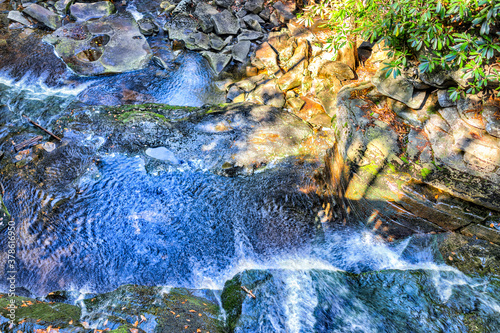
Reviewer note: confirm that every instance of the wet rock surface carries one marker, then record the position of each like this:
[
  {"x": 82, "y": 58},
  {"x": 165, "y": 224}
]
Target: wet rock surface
[
  {"x": 129, "y": 308},
  {"x": 399, "y": 299}
]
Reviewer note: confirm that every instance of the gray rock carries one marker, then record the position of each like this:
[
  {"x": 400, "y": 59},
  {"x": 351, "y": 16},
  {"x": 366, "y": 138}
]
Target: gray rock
[
  {"x": 198, "y": 41},
  {"x": 491, "y": 116},
  {"x": 253, "y": 21},
  {"x": 225, "y": 23},
  {"x": 181, "y": 27},
  {"x": 48, "y": 18},
  {"x": 82, "y": 11},
  {"x": 254, "y": 6},
  {"x": 283, "y": 11},
  {"x": 247, "y": 85},
  {"x": 203, "y": 13},
  {"x": 218, "y": 61},
  {"x": 216, "y": 42},
  {"x": 12, "y": 26},
  {"x": 234, "y": 92},
  {"x": 249, "y": 35},
  {"x": 17, "y": 16},
  {"x": 148, "y": 26},
  {"x": 265, "y": 14},
  {"x": 224, "y": 3},
  {"x": 240, "y": 51},
  {"x": 470, "y": 109},
  {"x": 241, "y": 13},
  {"x": 417, "y": 145},
  {"x": 294, "y": 77},
  {"x": 167, "y": 6},
  {"x": 111, "y": 44},
  {"x": 399, "y": 88}
]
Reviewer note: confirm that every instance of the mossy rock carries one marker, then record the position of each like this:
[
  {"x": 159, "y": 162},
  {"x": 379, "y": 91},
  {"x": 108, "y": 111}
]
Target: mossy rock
[
  {"x": 233, "y": 295},
  {"x": 165, "y": 311},
  {"x": 30, "y": 312},
  {"x": 232, "y": 300}
]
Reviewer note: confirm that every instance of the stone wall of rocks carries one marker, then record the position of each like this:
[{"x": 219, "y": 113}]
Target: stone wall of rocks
[{"x": 409, "y": 160}]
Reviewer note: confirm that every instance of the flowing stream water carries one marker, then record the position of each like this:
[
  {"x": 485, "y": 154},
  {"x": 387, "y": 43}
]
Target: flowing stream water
[{"x": 188, "y": 227}]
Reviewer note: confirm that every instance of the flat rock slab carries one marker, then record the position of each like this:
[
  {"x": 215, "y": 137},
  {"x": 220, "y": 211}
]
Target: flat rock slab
[
  {"x": 113, "y": 44},
  {"x": 48, "y": 18},
  {"x": 225, "y": 23},
  {"x": 16, "y": 16},
  {"x": 82, "y": 11},
  {"x": 203, "y": 12},
  {"x": 218, "y": 61}
]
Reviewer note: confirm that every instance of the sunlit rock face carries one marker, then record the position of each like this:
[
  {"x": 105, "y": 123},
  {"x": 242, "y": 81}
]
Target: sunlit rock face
[
  {"x": 113, "y": 44},
  {"x": 402, "y": 171}
]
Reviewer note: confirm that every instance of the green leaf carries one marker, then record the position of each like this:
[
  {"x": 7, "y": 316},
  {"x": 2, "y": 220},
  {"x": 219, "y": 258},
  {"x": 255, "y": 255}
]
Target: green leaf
[
  {"x": 423, "y": 67},
  {"x": 425, "y": 172}
]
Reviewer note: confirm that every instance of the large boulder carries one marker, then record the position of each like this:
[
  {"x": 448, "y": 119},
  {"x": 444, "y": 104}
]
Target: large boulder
[
  {"x": 111, "y": 44},
  {"x": 400, "y": 178}
]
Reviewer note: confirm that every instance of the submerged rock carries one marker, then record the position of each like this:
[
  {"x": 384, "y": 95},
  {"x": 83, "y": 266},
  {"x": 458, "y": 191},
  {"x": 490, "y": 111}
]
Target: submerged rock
[
  {"x": 474, "y": 257},
  {"x": 82, "y": 11},
  {"x": 112, "y": 44},
  {"x": 245, "y": 135},
  {"x": 380, "y": 301}
]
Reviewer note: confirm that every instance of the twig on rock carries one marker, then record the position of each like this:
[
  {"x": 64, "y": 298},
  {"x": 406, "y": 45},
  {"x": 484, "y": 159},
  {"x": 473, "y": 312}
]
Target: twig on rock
[
  {"x": 249, "y": 292},
  {"x": 43, "y": 129}
]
